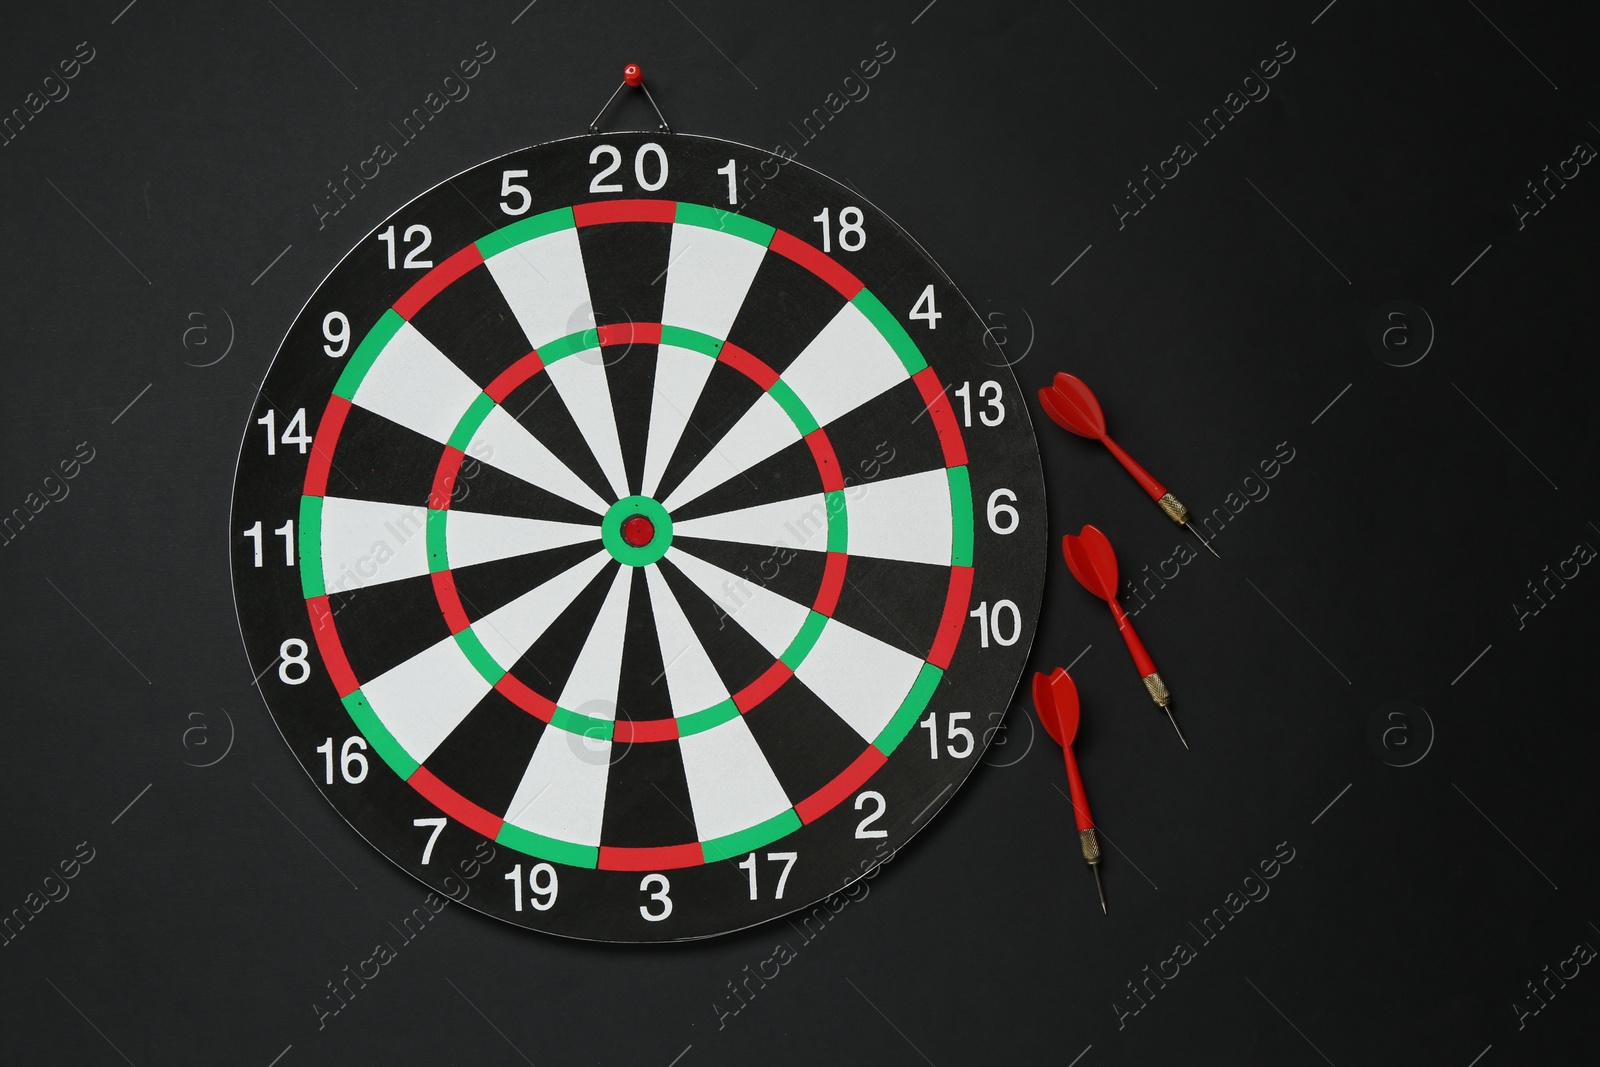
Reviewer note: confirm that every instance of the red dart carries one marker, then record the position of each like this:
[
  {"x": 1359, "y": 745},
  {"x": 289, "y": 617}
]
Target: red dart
[
  {"x": 1093, "y": 562},
  {"x": 1055, "y": 699},
  {"x": 1073, "y": 407}
]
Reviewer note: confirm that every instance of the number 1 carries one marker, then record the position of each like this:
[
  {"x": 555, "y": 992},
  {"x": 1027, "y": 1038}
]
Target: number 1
[{"x": 733, "y": 188}]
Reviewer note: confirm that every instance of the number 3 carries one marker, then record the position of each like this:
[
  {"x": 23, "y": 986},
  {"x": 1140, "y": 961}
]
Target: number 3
[{"x": 662, "y": 887}]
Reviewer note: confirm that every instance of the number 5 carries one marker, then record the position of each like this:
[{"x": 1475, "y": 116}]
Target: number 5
[{"x": 508, "y": 190}]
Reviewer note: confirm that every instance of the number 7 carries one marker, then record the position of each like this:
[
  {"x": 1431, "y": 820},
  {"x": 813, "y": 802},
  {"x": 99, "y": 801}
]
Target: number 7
[{"x": 438, "y": 823}]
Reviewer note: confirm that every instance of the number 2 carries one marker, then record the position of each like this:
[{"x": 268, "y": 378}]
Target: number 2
[{"x": 873, "y": 797}]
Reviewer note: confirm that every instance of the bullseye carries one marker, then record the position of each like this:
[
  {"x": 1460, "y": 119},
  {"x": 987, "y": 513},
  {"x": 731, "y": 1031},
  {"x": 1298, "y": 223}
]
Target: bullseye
[{"x": 638, "y": 530}]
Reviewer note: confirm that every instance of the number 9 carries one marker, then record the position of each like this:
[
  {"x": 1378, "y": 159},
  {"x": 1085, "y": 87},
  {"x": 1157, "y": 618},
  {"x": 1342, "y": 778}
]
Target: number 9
[{"x": 336, "y": 328}]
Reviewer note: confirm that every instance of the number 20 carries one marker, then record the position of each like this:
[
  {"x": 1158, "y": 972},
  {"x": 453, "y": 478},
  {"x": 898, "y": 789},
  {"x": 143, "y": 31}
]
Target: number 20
[{"x": 598, "y": 183}]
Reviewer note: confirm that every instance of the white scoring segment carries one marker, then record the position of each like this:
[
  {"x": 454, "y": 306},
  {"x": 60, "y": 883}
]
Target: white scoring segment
[
  {"x": 692, "y": 681},
  {"x": 563, "y": 792},
  {"x": 799, "y": 523},
  {"x": 680, "y": 377},
  {"x": 771, "y": 619},
  {"x": 591, "y": 689},
  {"x": 844, "y": 366},
  {"x": 544, "y": 283},
  {"x": 477, "y": 537},
  {"x": 365, "y": 542},
  {"x": 423, "y": 699},
  {"x": 906, "y": 518},
  {"x": 731, "y": 786},
  {"x": 505, "y": 444},
  {"x": 862, "y": 679},
  {"x": 414, "y": 384},
  {"x": 708, "y": 275},
  {"x": 580, "y": 380},
  {"x": 762, "y": 431},
  {"x": 509, "y": 631}
]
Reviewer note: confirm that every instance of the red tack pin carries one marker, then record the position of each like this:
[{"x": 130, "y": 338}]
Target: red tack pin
[{"x": 632, "y": 78}]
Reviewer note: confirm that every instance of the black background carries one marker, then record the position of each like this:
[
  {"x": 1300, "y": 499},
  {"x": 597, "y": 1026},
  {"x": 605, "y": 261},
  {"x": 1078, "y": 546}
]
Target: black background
[{"x": 1384, "y": 565}]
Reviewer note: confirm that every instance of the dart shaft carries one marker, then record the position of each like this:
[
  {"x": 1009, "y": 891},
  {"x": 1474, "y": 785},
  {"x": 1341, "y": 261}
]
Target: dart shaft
[
  {"x": 1140, "y": 475},
  {"x": 1080, "y": 799},
  {"x": 1141, "y": 658}
]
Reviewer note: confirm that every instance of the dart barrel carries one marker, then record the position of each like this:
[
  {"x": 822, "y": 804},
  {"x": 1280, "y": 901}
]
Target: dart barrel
[
  {"x": 1174, "y": 509},
  {"x": 1158, "y": 689}
]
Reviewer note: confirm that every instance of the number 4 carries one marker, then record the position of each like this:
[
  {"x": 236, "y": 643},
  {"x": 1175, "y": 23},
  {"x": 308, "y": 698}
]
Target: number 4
[{"x": 923, "y": 309}]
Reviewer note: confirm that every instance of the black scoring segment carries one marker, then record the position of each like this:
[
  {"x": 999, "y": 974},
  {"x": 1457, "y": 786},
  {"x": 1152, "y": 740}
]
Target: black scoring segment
[
  {"x": 804, "y": 741},
  {"x": 538, "y": 406},
  {"x": 383, "y": 625},
  {"x": 786, "y": 307},
  {"x": 548, "y": 662},
  {"x": 647, "y": 797},
  {"x": 785, "y": 570},
  {"x": 727, "y": 395},
  {"x": 739, "y": 659},
  {"x": 471, "y": 323},
  {"x": 899, "y": 603},
  {"x": 788, "y": 474},
  {"x": 486, "y": 755},
  {"x": 485, "y": 587},
  {"x": 481, "y": 487},
  {"x": 642, "y": 694},
  {"x": 631, "y": 376},
  {"x": 626, "y": 264},
  {"x": 889, "y": 436},
  {"x": 381, "y": 460}
]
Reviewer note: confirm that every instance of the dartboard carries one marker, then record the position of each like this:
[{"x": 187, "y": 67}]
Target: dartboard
[{"x": 636, "y": 539}]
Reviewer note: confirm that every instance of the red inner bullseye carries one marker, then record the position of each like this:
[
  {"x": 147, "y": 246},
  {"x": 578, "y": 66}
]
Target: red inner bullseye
[{"x": 638, "y": 530}]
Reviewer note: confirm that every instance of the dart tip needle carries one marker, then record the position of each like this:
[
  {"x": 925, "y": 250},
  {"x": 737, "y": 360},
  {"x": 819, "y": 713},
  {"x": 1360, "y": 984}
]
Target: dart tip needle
[
  {"x": 1202, "y": 540},
  {"x": 1174, "y": 721},
  {"x": 1100, "y": 888}
]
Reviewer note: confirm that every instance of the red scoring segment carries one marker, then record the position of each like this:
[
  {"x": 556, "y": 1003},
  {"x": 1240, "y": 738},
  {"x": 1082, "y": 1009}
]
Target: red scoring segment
[{"x": 638, "y": 531}]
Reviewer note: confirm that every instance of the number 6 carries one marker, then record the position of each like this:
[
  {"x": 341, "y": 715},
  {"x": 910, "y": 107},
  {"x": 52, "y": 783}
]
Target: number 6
[{"x": 1003, "y": 518}]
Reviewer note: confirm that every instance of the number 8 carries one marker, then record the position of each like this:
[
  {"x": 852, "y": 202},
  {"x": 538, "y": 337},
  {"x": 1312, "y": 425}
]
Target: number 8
[
  {"x": 293, "y": 653},
  {"x": 852, "y": 234}
]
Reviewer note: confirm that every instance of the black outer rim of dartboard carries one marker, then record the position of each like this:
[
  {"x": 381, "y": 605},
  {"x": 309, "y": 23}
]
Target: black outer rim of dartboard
[{"x": 983, "y": 736}]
